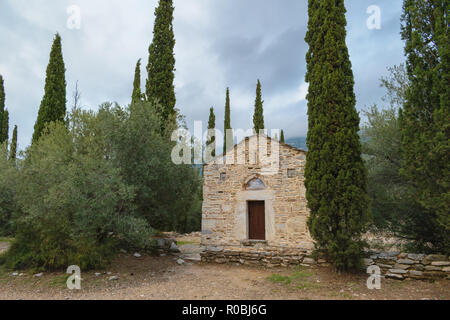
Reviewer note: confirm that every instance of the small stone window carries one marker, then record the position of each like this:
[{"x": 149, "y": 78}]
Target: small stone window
[
  {"x": 223, "y": 176},
  {"x": 292, "y": 173}
]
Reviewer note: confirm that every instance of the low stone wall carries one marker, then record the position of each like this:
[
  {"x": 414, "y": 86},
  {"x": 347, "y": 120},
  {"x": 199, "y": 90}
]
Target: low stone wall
[
  {"x": 268, "y": 256},
  {"x": 400, "y": 266},
  {"x": 393, "y": 265}
]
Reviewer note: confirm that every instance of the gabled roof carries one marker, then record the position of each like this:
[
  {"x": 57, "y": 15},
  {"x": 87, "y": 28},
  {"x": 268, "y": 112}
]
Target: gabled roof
[{"x": 255, "y": 135}]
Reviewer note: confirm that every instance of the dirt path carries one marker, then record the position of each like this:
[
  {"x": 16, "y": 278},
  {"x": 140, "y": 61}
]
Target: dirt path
[{"x": 162, "y": 278}]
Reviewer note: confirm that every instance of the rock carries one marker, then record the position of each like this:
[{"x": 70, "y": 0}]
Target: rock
[
  {"x": 174, "y": 248},
  {"x": 98, "y": 274},
  {"x": 416, "y": 257},
  {"x": 397, "y": 271},
  {"x": 402, "y": 255},
  {"x": 394, "y": 276},
  {"x": 38, "y": 275},
  {"x": 161, "y": 243},
  {"x": 441, "y": 263},
  {"x": 433, "y": 268},
  {"x": 193, "y": 257},
  {"x": 123, "y": 251},
  {"x": 368, "y": 262},
  {"x": 402, "y": 266},
  {"x": 419, "y": 267},
  {"x": 241, "y": 261},
  {"x": 446, "y": 269},
  {"x": 113, "y": 278},
  {"x": 436, "y": 257},
  {"x": 214, "y": 249},
  {"x": 414, "y": 273},
  {"x": 385, "y": 266},
  {"x": 180, "y": 262},
  {"x": 388, "y": 255},
  {"x": 163, "y": 255},
  {"x": 309, "y": 261},
  {"x": 15, "y": 274},
  {"x": 137, "y": 255},
  {"x": 405, "y": 261}
]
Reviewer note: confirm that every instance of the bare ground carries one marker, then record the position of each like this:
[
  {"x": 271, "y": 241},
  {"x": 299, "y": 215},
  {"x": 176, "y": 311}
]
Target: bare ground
[{"x": 161, "y": 278}]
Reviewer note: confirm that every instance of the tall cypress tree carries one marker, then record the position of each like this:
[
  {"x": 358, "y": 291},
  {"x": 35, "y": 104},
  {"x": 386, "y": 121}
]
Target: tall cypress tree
[
  {"x": 335, "y": 173},
  {"x": 212, "y": 126},
  {"x": 282, "y": 137},
  {"x": 13, "y": 148},
  {"x": 258, "y": 117},
  {"x": 53, "y": 105},
  {"x": 5, "y": 127},
  {"x": 161, "y": 64},
  {"x": 227, "y": 124},
  {"x": 425, "y": 116},
  {"x": 2, "y": 106},
  {"x": 137, "y": 94}
]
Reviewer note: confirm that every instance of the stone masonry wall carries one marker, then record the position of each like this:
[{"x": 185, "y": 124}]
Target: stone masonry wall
[
  {"x": 400, "y": 266},
  {"x": 224, "y": 220},
  {"x": 393, "y": 265}
]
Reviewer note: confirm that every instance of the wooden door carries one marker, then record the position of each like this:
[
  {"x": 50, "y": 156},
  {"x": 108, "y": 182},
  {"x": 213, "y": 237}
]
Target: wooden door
[{"x": 257, "y": 220}]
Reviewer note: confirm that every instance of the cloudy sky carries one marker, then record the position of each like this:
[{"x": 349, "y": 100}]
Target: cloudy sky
[{"x": 220, "y": 43}]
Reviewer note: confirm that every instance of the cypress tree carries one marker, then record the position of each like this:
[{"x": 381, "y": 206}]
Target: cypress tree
[
  {"x": 160, "y": 87},
  {"x": 258, "y": 117},
  {"x": 282, "y": 137},
  {"x": 425, "y": 116},
  {"x": 335, "y": 175},
  {"x": 2, "y": 106},
  {"x": 212, "y": 126},
  {"x": 13, "y": 148},
  {"x": 137, "y": 94},
  {"x": 53, "y": 105},
  {"x": 227, "y": 124},
  {"x": 5, "y": 127}
]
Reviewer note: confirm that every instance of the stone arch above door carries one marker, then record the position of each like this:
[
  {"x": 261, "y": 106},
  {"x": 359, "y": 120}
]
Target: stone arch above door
[{"x": 254, "y": 182}]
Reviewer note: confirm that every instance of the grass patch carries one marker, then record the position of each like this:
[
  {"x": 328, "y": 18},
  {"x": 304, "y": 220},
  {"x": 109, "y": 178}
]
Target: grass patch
[
  {"x": 6, "y": 239},
  {"x": 299, "y": 279},
  {"x": 59, "y": 281},
  {"x": 277, "y": 278}
]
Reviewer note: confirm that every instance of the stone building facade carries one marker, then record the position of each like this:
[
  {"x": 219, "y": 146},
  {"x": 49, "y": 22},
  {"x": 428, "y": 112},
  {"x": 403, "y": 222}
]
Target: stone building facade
[{"x": 254, "y": 200}]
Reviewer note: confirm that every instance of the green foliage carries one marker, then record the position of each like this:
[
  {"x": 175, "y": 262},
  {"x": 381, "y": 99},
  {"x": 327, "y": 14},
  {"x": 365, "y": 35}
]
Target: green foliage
[
  {"x": 5, "y": 127},
  {"x": 161, "y": 64},
  {"x": 137, "y": 94},
  {"x": 2, "y": 107},
  {"x": 282, "y": 137},
  {"x": 425, "y": 116},
  {"x": 95, "y": 186},
  {"x": 227, "y": 122},
  {"x": 211, "y": 126},
  {"x": 13, "y": 147},
  {"x": 164, "y": 191},
  {"x": 53, "y": 104},
  {"x": 258, "y": 117},
  {"x": 335, "y": 176},
  {"x": 8, "y": 180}
]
